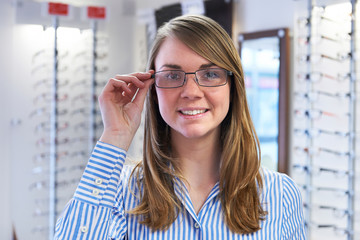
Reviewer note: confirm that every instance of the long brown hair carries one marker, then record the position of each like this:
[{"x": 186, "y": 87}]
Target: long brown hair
[{"x": 240, "y": 177}]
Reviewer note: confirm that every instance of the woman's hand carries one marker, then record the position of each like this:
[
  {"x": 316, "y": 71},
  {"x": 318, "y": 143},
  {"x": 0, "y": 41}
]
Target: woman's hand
[{"x": 121, "y": 104}]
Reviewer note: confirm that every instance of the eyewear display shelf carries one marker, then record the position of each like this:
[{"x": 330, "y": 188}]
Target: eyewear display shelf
[
  {"x": 325, "y": 154},
  {"x": 67, "y": 74}
]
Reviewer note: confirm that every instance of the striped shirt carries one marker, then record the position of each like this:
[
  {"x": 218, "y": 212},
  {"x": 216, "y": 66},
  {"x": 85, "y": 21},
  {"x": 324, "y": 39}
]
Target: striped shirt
[{"x": 99, "y": 207}]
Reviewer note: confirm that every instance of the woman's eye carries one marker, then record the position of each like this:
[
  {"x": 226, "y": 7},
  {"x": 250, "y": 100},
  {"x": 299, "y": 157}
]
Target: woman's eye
[
  {"x": 173, "y": 76},
  {"x": 211, "y": 75}
]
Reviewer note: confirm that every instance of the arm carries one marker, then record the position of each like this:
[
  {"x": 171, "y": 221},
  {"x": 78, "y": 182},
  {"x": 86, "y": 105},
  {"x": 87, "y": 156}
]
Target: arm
[
  {"x": 91, "y": 210},
  {"x": 293, "y": 227}
]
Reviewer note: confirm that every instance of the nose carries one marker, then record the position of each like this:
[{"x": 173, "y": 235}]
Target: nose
[{"x": 191, "y": 89}]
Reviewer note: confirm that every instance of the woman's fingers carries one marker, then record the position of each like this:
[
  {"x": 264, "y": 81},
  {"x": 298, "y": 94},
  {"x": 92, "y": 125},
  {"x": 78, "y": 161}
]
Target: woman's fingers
[
  {"x": 136, "y": 81},
  {"x": 135, "y": 78},
  {"x": 125, "y": 86},
  {"x": 141, "y": 94}
]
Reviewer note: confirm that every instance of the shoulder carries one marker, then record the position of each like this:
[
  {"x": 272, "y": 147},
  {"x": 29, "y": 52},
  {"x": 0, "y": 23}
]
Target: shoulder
[
  {"x": 279, "y": 185},
  {"x": 282, "y": 200},
  {"x": 271, "y": 178}
]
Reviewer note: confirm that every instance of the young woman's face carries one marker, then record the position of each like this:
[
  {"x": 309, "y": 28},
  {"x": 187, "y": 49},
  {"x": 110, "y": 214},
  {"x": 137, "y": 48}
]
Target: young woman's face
[{"x": 192, "y": 111}]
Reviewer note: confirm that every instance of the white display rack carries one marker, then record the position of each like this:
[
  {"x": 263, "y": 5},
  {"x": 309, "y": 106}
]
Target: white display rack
[
  {"x": 325, "y": 148},
  {"x": 67, "y": 77}
]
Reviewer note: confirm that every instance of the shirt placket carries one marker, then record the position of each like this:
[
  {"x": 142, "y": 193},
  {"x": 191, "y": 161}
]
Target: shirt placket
[{"x": 184, "y": 196}]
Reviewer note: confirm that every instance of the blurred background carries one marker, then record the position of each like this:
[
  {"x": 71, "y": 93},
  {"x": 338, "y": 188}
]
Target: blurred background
[{"x": 301, "y": 74}]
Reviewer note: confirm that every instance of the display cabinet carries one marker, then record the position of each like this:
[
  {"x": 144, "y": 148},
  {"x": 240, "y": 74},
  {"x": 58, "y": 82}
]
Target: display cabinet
[{"x": 325, "y": 119}]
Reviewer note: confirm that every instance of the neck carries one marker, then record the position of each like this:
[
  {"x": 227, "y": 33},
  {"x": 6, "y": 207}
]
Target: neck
[{"x": 199, "y": 159}]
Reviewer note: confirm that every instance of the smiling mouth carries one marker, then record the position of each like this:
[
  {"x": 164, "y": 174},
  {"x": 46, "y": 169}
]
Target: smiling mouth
[{"x": 193, "y": 112}]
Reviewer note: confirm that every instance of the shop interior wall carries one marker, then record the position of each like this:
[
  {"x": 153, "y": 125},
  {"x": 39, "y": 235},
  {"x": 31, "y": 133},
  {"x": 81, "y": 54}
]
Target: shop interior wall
[
  {"x": 258, "y": 15},
  {"x": 250, "y": 15},
  {"x": 121, "y": 27},
  {"x": 6, "y": 16}
]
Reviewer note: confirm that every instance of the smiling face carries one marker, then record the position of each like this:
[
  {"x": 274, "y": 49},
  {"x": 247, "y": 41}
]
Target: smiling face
[{"x": 192, "y": 111}]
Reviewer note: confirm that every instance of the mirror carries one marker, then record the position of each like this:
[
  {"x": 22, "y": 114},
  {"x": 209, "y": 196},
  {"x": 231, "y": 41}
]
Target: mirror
[{"x": 265, "y": 60}]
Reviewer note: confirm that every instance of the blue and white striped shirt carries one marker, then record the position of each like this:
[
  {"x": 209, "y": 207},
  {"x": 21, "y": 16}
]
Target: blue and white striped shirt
[{"x": 99, "y": 207}]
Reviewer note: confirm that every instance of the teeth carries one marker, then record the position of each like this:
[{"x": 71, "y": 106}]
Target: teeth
[{"x": 193, "y": 112}]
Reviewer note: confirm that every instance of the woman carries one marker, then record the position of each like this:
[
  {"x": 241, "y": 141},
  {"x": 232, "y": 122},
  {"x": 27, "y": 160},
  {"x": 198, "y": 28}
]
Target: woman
[{"x": 200, "y": 177}]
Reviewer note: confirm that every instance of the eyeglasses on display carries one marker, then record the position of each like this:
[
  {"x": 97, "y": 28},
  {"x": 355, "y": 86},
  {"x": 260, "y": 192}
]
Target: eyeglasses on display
[{"x": 317, "y": 76}]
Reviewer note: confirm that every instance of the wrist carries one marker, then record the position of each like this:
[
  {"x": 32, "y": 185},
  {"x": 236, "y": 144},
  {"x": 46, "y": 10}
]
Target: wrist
[{"x": 116, "y": 139}]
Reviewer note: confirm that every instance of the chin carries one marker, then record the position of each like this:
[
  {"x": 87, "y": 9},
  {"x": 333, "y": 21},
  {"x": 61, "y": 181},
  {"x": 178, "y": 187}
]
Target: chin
[{"x": 194, "y": 133}]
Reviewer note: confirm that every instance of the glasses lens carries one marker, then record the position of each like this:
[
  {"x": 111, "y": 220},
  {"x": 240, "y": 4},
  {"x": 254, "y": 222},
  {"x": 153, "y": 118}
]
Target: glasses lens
[
  {"x": 169, "y": 79},
  {"x": 211, "y": 77}
]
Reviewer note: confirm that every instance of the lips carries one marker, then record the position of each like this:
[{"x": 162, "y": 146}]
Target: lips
[{"x": 193, "y": 112}]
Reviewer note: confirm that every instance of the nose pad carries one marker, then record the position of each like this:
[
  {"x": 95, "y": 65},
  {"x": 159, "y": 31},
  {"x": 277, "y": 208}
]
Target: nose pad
[
  {"x": 190, "y": 82},
  {"x": 193, "y": 78},
  {"x": 191, "y": 88}
]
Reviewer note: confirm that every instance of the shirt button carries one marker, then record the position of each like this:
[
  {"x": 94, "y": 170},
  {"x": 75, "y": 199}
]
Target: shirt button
[
  {"x": 197, "y": 225},
  {"x": 95, "y": 192},
  {"x": 84, "y": 229},
  {"x": 98, "y": 181}
]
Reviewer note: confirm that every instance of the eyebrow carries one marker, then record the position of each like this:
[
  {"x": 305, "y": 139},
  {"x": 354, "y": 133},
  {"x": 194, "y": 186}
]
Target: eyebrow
[
  {"x": 174, "y": 66},
  {"x": 207, "y": 65}
]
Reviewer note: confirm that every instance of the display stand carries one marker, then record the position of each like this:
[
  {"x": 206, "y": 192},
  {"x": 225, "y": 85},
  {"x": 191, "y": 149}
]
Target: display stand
[
  {"x": 352, "y": 127},
  {"x": 53, "y": 136},
  {"x": 64, "y": 76},
  {"x": 92, "y": 117},
  {"x": 309, "y": 143},
  {"x": 326, "y": 119}
]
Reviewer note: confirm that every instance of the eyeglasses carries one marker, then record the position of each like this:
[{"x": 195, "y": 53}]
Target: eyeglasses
[
  {"x": 317, "y": 57},
  {"x": 315, "y": 95},
  {"x": 315, "y": 151},
  {"x": 317, "y": 76},
  {"x": 210, "y": 77},
  {"x": 337, "y": 230},
  {"x": 315, "y": 132},
  {"x": 313, "y": 113},
  {"x": 317, "y": 170},
  {"x": 333, "y": 191},
  {"x": 318, "y": 39}
]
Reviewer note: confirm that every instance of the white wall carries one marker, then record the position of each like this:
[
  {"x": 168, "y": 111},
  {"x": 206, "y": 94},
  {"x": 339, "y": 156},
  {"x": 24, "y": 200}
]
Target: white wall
[
  {"x": 257, "y": 15},
  {"x": 6, "y": 16}
]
